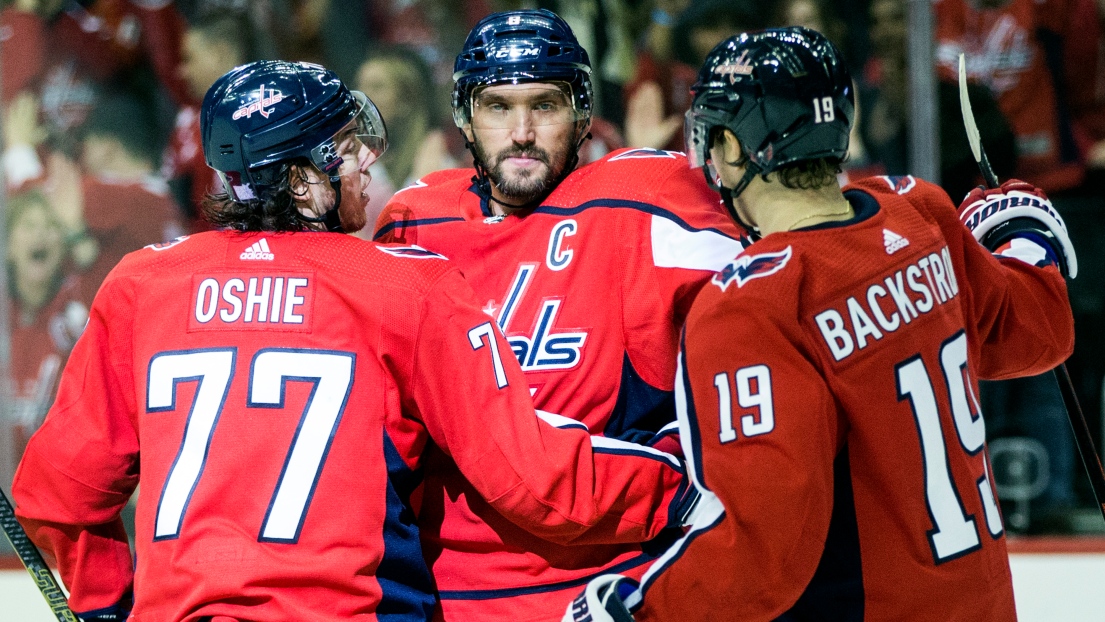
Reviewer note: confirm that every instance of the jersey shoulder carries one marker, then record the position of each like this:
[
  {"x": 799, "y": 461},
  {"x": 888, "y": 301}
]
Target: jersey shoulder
[
  {"x": 660, "y": 183},
  {"x": 346, "y": 257},
  {"x": 625, "y": 174},
  {"x": 913, "y": 190},
  {"x": 371, "y": 264},
  {"x": 925, "y": 197},
  {"x": 436, "y": 194},
  {"x": 754, "y": 297},
  {"x": 437, "y": 197},
  {"x": 184, "y": 251}
]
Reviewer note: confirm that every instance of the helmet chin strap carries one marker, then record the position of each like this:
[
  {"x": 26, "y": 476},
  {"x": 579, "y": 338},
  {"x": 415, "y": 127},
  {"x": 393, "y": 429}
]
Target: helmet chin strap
[
  {"x": 483, "y": 182},
  {"x": 728, "y": 195},
  {"x": 331, "y": 219}
]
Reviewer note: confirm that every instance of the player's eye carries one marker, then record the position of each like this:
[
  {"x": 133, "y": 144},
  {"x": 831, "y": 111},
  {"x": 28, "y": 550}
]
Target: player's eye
[{"x": 350, "y": 148}]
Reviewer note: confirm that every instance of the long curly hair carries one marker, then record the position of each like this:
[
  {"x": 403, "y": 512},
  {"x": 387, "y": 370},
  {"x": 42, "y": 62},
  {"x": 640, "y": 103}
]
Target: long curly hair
[{"x": 273, "y": 210}]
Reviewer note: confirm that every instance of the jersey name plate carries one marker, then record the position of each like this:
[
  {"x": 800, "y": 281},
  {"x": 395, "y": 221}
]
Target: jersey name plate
[{"x": 271, "y": 301}]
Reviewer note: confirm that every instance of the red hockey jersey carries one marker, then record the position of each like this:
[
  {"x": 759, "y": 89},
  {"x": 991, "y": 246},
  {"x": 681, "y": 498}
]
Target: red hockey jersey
[
  {"x": 828, "y": 392},
  {"x": 274, "y": 395},
  {"x": 591, "y": 289}
]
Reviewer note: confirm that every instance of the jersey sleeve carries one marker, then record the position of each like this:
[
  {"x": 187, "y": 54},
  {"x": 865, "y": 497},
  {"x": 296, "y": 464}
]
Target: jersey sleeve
[
  {"x": 559, "y": 483},
  {"x": 760, "y": 428},
  {"x": 689, "y": 237},
  {"x": 81, "y": 466},
  {"x": 1021, "y": 311}
]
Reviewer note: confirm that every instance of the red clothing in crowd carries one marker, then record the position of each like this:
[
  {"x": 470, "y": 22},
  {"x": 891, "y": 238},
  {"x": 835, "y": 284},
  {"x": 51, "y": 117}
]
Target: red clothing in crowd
[{"x": 1020, "y": 52}]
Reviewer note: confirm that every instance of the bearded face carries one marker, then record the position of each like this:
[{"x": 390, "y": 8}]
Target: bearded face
[{"x": 523, "y": 135}]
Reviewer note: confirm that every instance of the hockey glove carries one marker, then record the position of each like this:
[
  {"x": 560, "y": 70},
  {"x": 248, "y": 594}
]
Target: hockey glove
[
  {"x": 1018, "y": 220},
  {"x": 602, "y": 601}
]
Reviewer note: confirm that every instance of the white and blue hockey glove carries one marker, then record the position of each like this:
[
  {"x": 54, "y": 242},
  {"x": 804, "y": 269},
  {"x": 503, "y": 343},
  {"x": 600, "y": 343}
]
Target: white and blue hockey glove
[
  {"x": 1017, "y": 220},
  {"x": 602, "y": 601}
]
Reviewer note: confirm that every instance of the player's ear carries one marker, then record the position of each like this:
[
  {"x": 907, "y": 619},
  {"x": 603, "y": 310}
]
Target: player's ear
[
  {"x": 731, "y": 146},
  {"x": 468, "y": 134}
]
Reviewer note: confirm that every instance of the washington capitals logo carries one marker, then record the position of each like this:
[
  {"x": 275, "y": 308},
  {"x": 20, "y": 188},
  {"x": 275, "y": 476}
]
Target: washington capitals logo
[
  {"x": 739, "y": 67},
  {"x": 901, "y": 185},
  {"x": 261, "y": 104},
  {"x": 414, "y": 252},
  {"x": 747, "y": 267}
]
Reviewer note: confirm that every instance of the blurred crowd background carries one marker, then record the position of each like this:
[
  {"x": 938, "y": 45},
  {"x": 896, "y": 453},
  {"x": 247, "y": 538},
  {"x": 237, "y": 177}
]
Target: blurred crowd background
[{"x": 101, "y": 147}]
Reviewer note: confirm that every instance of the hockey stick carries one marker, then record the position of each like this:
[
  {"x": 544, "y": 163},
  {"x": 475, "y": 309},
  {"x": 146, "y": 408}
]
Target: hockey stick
[
  {"x": 1074, "y": 410},
  {"x": 32, "y": 559}
]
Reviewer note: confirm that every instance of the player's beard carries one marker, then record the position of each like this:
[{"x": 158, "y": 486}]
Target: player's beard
[
  {"x": 523, "y": 186},
  {"x": 353, "y": 214}
]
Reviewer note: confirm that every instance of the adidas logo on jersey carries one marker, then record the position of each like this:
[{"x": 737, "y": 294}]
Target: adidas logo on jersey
[
  {"x": 893, "y": 241},
  {"x": 259, "y": 250}
]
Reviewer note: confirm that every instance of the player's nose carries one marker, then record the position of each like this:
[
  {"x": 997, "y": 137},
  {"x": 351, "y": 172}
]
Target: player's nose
[{"x": 522, "y": 130}]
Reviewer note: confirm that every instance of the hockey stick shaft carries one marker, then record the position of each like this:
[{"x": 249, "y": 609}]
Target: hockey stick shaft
[
  {"x": 1081, "y": 429},
  {"x": 32, "y": 560},
  {"x": 1082, "y": 435}
]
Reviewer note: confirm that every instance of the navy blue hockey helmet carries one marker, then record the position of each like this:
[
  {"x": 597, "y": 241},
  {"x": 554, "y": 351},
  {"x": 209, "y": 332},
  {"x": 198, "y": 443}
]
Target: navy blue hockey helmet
[
  {"x": 267, "y": 113},
  {"x": 785, "y": 93},
  {"x": 513, "y": 47}
]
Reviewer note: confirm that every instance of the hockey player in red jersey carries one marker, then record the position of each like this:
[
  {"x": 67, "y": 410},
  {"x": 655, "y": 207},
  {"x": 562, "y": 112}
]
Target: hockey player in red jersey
[
  {"x": 589, "y": 272},
  {"x": 273, "y": 386},
  {"x": 828, "y": 377}
]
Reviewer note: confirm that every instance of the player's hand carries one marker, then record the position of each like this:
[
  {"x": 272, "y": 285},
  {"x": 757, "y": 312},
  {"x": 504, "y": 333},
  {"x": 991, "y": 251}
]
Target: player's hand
[
  {"x": 1018, "y": 213},
  {"x": 645, "y": 124},
  {"x": 602, "y": 601}
]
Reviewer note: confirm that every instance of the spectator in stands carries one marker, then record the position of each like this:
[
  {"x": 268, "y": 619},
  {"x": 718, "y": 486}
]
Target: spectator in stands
[
  {"x": 124, "y": 203},
  {"x": 46, "y": 309},
  {"x": 402, "y": 88},
  {"x": 814, "y": 14},
  {"x": 209, "y": 49},
  {"x": 659, "y": 93},
  {"x": 1086, "y": 79},
  {"x": 434, "y": 28},
  {"x": 1015, "y": 47},
  {"x": 24, "y": 42},
  {"x": 23, "y": 135},
  {"x": 885, "y": 108}
]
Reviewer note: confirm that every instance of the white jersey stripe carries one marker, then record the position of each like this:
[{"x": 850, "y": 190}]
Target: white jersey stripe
[
  {"x": 560, "y": 421},
  {"x": 602, "y": 442},
  {"x": 675, "y": 247}
]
